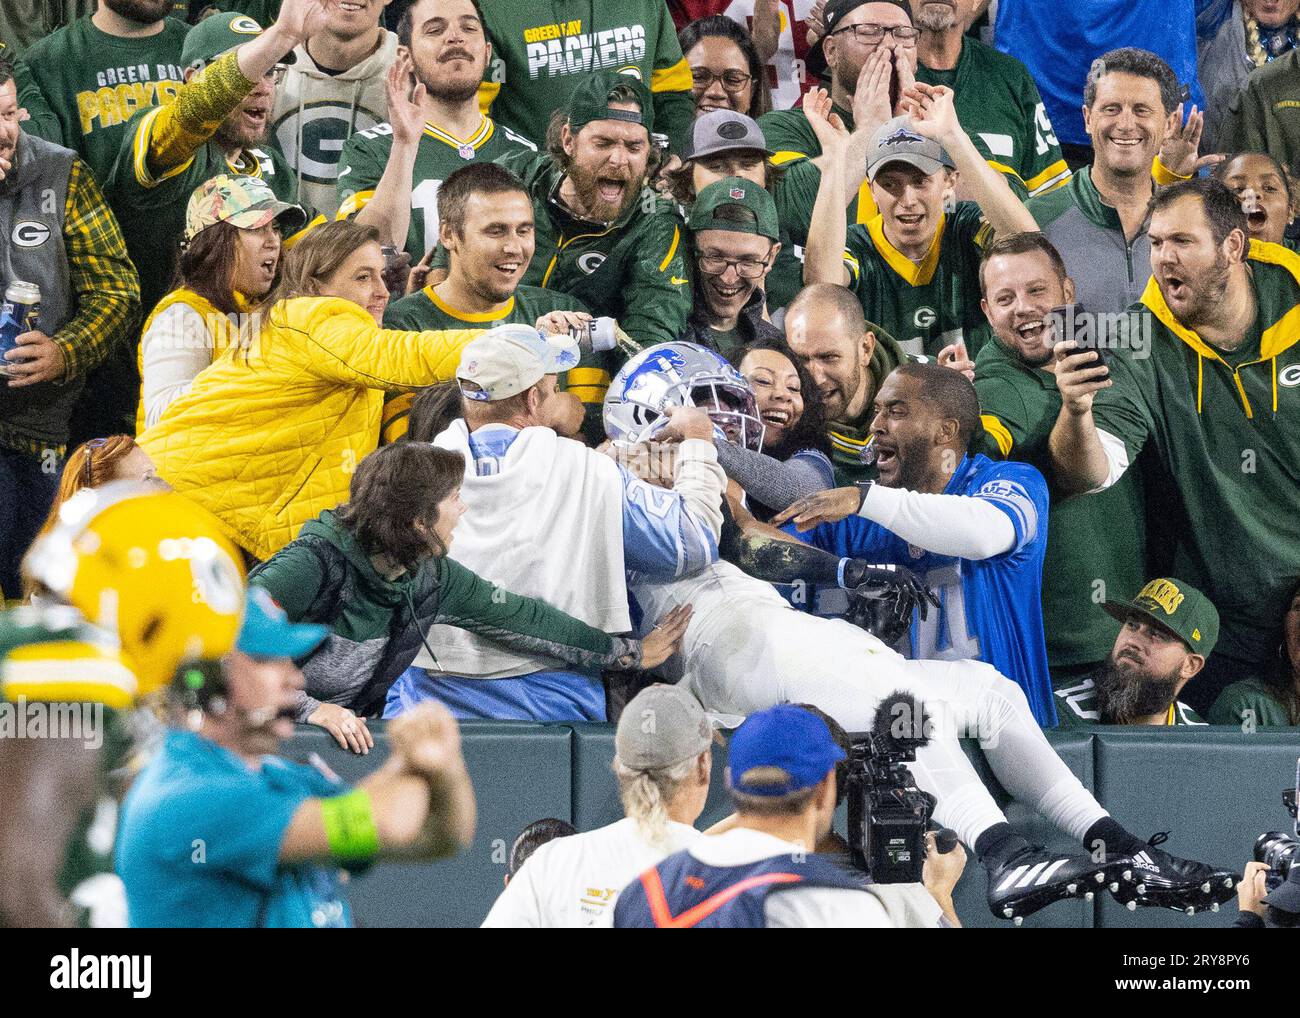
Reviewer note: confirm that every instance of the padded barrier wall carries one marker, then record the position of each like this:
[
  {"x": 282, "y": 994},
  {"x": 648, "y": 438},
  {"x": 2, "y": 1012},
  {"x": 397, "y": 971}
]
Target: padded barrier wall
[{"x": 1214, "y": 789}]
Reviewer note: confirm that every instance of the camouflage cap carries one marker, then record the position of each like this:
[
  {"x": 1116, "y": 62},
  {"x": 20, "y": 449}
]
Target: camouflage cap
[{"x": 242, "y": 201}]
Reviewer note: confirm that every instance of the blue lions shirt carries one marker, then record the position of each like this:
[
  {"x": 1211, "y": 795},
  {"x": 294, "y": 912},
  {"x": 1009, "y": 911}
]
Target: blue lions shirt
[
  {"x": 200, "y": 836},
  {"x": 991, "y": 609}
]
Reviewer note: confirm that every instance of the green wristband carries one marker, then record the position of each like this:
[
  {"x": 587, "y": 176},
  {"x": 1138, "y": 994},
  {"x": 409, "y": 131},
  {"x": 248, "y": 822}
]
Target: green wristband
[{"x": 350, "y": 826}]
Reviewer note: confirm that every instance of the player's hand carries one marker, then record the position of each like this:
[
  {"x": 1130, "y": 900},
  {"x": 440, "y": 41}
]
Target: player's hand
[
  {"x": 349, "y": 731},
  {"x": 827, "y": 506},
  {"x": 1183, "y": 141},
  {"x": 34, "y": 358},
  {"x": 665, "y": 639},
  {"x": 299, "y": 20},
  {"x": 418, "y": 278},
  {"x": 831, "y": 133},
  {"x": 1078, "y": 377},
  {"x": 405, "y": 104},
  {"x": 866, "y": 579},
  {"x": 426, "y": 739},
  {"x": 686, "y": 422},
  {"x": 558, "y": 323},
  {"x": 932, "y": 112},
  {"x": 1252, "y": 888},
  {"x": 954, "y": 356},
  {"x": 942, "y": 870},
  {"x": 871, "y": 97}
]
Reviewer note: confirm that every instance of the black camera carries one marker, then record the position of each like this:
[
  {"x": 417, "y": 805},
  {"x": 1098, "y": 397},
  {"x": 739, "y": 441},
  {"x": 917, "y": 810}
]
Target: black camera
[
  {"x": 888, "y": 814},
  {"x": 1278, "y": 851}
]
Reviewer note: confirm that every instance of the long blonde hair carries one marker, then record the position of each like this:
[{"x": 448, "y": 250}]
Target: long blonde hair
[{"x": 647, "y": 794}]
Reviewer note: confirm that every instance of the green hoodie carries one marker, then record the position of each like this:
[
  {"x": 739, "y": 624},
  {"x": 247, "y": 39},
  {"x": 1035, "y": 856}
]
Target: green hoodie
[{"x": 378, "y": 625}]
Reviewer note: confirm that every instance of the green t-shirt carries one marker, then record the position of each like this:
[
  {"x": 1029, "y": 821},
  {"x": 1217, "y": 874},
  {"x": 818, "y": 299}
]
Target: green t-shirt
[
  {"x": 80, "y": 86},
  {"x": 152, "y": 209},
  {"x": 1249, "y": 703},
  {"x": 439, "y": 155},
  {"x": 999, "y": 107},
  {"x": 926, "y": 306},
  {"x": 1231, "y": 438},
  {"x": 1096, "y": 544},
  {"x": 540, "y": 52},
  {"x": 1076, "y": 706}
]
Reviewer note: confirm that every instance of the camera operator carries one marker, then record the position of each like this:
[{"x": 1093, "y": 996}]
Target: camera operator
[
  {"x": 761, "y": 873},
  {"x": 1261, "y": 908}
]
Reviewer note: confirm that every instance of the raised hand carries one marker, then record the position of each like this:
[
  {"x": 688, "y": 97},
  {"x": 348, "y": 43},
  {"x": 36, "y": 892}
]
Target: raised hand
[
  {"x": 1183, "y": 141},
  {"x": 1078, "y": 376},
  {"x": 954, "y": 356},
  {"x": 299, "y": 20},
  {"x": 405, "y": 104},
  {"x": 831, "y": 133},
  {"x": 871, "y": 96},
  {"x": 932, "y": 112}
]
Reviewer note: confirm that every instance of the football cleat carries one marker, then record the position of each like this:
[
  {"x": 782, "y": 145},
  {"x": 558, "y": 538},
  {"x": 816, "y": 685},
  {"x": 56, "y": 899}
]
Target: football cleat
[
  {"x": 1161, "y": 880},
  {"x": 1034, "y": 878}
]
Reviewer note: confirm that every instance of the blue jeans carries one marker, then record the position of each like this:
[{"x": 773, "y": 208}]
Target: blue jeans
[
  {"x": 539, "y": 696},
  {"x": 26, "y": 494}
]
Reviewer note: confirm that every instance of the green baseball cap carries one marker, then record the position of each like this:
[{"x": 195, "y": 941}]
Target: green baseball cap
[
  {"x": 1179, "y": 607},
  {"x": 217, "y": 34},
  {"x": 731, "y": 191},
  {"x": 590, "y": 101}
]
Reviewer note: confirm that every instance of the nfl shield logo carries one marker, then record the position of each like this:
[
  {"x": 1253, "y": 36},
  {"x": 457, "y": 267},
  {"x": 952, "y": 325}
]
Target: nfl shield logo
[
  {"x": 737, "y": 192},
  {"x": 466, "y": 151}
]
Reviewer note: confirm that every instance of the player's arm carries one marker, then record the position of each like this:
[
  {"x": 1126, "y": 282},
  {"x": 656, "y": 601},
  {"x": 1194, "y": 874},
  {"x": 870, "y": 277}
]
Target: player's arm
[
  {"x": 934, "y": 116},
  {"x": 828, "y": 229},
  {"x": 418, "y": 805},
  {"x": 389, "y": 207}
]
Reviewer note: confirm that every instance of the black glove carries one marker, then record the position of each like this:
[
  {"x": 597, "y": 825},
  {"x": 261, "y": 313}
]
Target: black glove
[{"x": 883, "y": 597}]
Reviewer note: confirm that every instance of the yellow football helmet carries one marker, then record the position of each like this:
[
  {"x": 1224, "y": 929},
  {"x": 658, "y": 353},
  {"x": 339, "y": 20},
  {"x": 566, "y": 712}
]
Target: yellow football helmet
[{"x": 149, "y": 566}]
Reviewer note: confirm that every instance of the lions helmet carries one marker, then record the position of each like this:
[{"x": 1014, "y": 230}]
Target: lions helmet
[{"x": 680, "y": 374}]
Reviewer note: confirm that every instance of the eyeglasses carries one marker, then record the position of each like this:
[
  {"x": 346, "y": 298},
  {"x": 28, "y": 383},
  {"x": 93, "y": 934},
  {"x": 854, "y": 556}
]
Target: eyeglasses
[
  {"x": 732, "y": 81},
  {"x": 871, "y": 33},
  {"x": 746, "y": 268},
  {"x": 87, "y": 474}
]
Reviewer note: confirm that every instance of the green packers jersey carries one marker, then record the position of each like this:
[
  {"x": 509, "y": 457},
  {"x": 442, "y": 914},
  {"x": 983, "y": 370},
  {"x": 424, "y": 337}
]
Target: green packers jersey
[
  {"x": 540, "y": 52},
  {"x": 1227, "y": 426},
  {"x": 80, "y": 86},
  {"x": 926, "y": 306},
  {"x": 152, "y": 209},
  {"x": 1096, "y": 545},
  {"x": 67, "y": 676},
  {"x": 425, "y": 310},
  {"x": 999, "y": 107},
  {"x": 1076, "y": 706},
  {"x": 439, "y": 155}
]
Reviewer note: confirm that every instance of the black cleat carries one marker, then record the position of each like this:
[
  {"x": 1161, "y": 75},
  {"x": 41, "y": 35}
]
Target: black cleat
[
  {"x": 1161, "y": 880},
  {"x": 1034, "y": 878}
]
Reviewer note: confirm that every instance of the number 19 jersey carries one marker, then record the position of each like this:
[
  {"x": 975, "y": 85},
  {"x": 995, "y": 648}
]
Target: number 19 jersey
[{"x": 439, "y": 156}]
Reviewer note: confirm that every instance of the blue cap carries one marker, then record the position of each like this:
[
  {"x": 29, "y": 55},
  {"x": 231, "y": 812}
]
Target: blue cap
[
  {"x": 788, "y": 738},
  {"x": 267, "y": 631}
]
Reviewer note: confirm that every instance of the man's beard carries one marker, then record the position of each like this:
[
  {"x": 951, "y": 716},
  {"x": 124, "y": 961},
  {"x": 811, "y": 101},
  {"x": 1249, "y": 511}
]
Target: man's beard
[
  {"x": 446, "y": 91},
  {"x": 595, "y": 207},
  {"x": 143, "y": 12},
  {"x": 1210, "y": 289},
  {"x": 936, "y": 17},
  {"x": 229, "y": 136},
  {"x": 912, "y": 465},
  {"x": 1126, "y": 694}
]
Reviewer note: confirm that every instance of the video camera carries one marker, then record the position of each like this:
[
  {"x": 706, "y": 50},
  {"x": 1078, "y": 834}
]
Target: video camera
[
  {"x": 1279, "y": 851},
  {"x": 888, "y": 814}
]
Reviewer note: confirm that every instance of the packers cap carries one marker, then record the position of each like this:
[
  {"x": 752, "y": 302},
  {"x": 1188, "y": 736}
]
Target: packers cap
[
  {"x": 243, "y": 201},
  {"x": 511, "y": 358},
  {"x": 590, "y": 101},
  {"x": 733, "y": 191},
  {"x": 1179, "y": 607},
  {"x": 896, "y": 141},
  {"x": 217, "y": 34}
]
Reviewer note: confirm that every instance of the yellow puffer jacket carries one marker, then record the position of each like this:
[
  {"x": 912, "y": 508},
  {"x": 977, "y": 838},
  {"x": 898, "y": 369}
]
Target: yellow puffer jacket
[{"x": 268, "y": 438}]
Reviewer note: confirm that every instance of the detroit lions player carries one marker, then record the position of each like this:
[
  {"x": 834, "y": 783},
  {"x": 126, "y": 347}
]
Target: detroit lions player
[{"x": 746, "y": 649}]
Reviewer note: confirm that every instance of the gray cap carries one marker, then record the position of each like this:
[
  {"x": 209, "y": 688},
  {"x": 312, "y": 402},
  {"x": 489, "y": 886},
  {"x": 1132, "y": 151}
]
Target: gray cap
[
  {"x": 724, "y": 131},
  {"x": 661, "y": 726},
  {"x": 896, "y": 141}
]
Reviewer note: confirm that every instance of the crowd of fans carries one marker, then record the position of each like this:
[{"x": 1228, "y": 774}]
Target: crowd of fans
[{"x": 987, "y": 311}]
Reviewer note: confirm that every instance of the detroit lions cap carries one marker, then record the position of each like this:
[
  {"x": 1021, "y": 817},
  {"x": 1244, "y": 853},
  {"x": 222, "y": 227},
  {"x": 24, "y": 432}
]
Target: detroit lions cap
[
  {"x": 780, "y": 750},
  {"x": 511, "y": 358},
  {"x": 896, "y": 141}
]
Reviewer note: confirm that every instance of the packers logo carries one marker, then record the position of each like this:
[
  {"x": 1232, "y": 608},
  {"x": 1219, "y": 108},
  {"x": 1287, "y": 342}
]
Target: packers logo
[
  {"x": 591, "y": 261},
  {"x": 1161, "y": 594},
  {"x": 244, "y": 25},
  {"x": 323, "y": 127},
  {"x": 27, "y": 233},
  {"x": 1289, "y": 376},
  {"x": 924, "y": 318}
]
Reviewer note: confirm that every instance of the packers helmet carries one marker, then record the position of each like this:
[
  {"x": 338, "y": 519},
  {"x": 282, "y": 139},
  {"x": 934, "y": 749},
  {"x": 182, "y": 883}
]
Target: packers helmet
[{"x": 150, "y": 567}]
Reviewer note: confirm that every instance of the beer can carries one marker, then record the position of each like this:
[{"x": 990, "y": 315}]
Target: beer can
[{"x": 18, "y": 314}]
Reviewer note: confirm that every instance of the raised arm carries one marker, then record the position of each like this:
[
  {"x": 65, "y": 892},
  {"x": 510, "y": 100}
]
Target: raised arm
[
  {"x": 389, "y": 208},
  {"x": 828, "y": 230}
]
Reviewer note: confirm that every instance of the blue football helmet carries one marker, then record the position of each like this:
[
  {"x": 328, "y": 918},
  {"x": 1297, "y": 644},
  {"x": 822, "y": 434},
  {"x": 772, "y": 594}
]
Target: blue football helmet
[{"x": 680, "y": 374}]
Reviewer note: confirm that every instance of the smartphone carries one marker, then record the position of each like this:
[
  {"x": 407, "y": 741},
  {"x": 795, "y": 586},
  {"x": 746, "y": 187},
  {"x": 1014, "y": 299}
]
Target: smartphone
[{"x": 1072, "y": 321}]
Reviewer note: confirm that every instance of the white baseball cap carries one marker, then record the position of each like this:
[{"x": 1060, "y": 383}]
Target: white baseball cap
[{"x": 512, "y": 358}]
